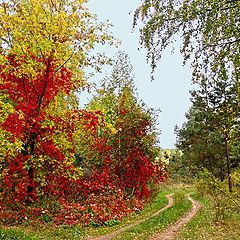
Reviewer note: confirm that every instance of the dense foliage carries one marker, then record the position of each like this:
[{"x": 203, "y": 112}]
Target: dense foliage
[
  {"x": 210, "y": 33},
  {"x": 132, "y": 135},
  {"x": 209, "y": 137},
  {"x": 58, "y": 162}
]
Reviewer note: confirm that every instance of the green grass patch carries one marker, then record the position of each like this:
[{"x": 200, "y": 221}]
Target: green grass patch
[
  {"x": 52, "y": 232},
  {"x": 36, "y": 231},
  {"x": 156, "y": 204},
  {"x": 157, "y": 223},
  {"x": 43, "y": 232},
  {"x": 202, "y": 226},
  {"x": 12, "y": 234}
]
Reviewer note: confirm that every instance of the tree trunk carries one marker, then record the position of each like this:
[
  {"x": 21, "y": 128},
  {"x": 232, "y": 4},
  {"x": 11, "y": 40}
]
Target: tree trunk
[
  {"x": 228, "y": 165},
  {"x": 30, "y": 188}
]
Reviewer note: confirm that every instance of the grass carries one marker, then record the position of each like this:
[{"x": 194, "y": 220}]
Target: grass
[
  {"x": 31, "y": 231},
  {"x": 203, "y": 225},
  {"x": 48, "y": 232},
  {"x": 12, "y": 234},
  {"x": 158, "y": 202},
  {"x": 147, "y": 228}
]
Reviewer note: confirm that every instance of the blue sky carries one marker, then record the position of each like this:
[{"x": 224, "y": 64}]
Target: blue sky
[{"x": 170, "y": 90}]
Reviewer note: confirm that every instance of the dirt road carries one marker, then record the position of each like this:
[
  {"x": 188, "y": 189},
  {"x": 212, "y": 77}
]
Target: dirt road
[
  {"x": 171, "y": 232},
  {"x": 115, "y": 233}
]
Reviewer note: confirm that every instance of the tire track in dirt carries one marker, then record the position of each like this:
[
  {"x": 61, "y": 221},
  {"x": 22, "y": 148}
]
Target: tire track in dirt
[
  {"x": 171, "y": 232},
  {"x": 117, "y": 232}
]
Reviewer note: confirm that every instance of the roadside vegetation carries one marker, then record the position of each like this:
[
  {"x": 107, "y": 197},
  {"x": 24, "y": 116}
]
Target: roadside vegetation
[
  {"x": 205, "y": 226},
  {"x": 157, "y": 223},
  {"x": 211, "y": 222},
  {"x": 29, "y": 230}
]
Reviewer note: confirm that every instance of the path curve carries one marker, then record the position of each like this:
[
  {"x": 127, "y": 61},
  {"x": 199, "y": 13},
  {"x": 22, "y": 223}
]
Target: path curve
[
  {"x": 117, "y": 232},
  {"x": 171, "y": 232}
]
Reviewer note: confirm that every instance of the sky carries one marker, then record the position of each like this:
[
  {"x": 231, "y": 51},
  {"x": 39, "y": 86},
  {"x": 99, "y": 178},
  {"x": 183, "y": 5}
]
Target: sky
[{"x": 169, "y": 92}]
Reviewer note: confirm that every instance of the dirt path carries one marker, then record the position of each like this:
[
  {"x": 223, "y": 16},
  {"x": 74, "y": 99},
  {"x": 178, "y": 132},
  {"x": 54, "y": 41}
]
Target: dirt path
[
  {"x": 171, "y": 232},
  {"x": 115, "y": 233}
]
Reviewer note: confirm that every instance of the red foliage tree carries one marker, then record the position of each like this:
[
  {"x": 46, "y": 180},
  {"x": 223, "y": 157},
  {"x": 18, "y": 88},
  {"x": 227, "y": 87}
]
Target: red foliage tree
[
  {"x": 122, "y": 167},
  {"x": 31, "y": 98}
]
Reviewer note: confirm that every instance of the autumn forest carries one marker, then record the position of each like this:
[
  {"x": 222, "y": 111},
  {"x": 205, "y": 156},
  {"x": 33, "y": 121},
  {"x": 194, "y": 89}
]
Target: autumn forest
[{"x": 73, "y": 172}]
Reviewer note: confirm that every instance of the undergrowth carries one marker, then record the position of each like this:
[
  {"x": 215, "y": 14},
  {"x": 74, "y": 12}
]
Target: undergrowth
[
  {"x": 30, "y": 230},
  {"x": 219, "y": 217}
]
